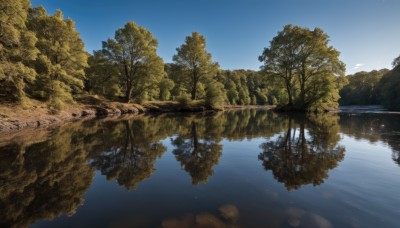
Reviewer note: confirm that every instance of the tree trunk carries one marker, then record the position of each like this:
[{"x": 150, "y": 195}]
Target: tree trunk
[{"x": 194, "y": 87}]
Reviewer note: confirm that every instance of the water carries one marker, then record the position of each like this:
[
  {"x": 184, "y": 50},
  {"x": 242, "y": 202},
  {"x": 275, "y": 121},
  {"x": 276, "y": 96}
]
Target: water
[{"x": 249, "y": 168}]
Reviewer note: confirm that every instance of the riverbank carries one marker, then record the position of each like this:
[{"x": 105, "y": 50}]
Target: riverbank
[{"x": 37, "y": 114}]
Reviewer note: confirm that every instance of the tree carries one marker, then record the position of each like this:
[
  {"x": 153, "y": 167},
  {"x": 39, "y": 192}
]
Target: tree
[
  {"x": 215, "y": 95},
  {"x": 102, "y": 76},
  {"x": 196, "y": 62},
  {"x": 389, "y": 89},
  {"x": 62, "y": 59},
  {"x": 396, "y": 62},
  {"x": 363, "y": 88},
  {"x": 166, "y": 85},
  {"x": 307, "y": 67},
  {"x": 134, "y": 51},
  {"x": 17, "y": 49}
]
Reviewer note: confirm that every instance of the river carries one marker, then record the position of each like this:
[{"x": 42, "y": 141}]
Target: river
[{"x": 247, "y": 168}]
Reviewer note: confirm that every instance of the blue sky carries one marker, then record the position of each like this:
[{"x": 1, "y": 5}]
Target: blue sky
[{"x": 366, "y": 32}]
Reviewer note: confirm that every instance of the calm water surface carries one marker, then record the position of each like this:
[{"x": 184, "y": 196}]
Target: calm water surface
[{"x": 248, "y": 168}]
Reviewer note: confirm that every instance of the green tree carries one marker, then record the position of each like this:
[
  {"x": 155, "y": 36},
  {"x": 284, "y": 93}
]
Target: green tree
[
  {"x": 389, "y": 89},
  {"x": 196, "y": 62},
  {"x": 134, "y": 51},
  {"x": 102, "y": 76},
  {"x": 363, "y": 88},
  {"x": 62, "y": 59},
  {"x": 396, "y": 62},
  {"x": 307, "y": 67},
  {"x": 215, "y": 95},
  {"x": 17, "y": 48},
  {"x": 166, "y": 85}
]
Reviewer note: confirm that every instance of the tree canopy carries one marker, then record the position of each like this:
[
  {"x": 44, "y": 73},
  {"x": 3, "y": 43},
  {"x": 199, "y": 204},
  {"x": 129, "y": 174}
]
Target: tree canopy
[
  {"x": 196, "y": 64},
  {"x": 134, "y": 51},
  {"x": 363, "y": 88},
  {"x": 62, "y": 60},
  {"x": 303, "y": 63},
  {"x": 17, "y": 49}
]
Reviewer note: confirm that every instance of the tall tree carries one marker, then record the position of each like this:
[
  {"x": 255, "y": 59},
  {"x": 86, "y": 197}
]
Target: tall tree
[
  {"x": 196, "y": 62},
  {"x": 307, "y": 66},
  {"x": 134, "y": 51},
  {"x": 17, "y": 48},
  {"x": 62, "y": 60}
]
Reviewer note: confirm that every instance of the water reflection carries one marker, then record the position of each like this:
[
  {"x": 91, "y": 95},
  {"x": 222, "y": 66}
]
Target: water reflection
[
  {"x": 197, "y": 150},
  {"x": 374, "y": 128},
  {"x": 305, "y": 152},
  {"x": 46, "y": 174},
  {"x": 42, "y": 180},
  {"x": 132, "y": 153}
]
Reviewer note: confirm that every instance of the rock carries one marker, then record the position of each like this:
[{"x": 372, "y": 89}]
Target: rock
[
  {"x": 187, "y": 221},
  {"x": 295, "y": 216},
  {"x": 318, "y": 221},
  {"x": 207, "y": 220},
  {"x": 229, "y": 212},
  {"x": 295, "y": 212},
  {"x": 299, "y": 217}
]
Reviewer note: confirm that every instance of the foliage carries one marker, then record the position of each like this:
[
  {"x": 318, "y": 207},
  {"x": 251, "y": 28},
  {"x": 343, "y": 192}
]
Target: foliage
[
  {"x": 195, "y": 63},
  {"x": 17, "y": 49},
  {"x": 134, "y": 51},
  {"x": 303, "y": 63},
  {"x": 389, "y": 89},
  {"x": 215, "y": 95},
  {"x": 62, "y": 59},
  {"x": 363, "y": 88},
  {"x": 102, "y": 77},
  {"x": 166, "y": 85},
  {"x": 396, "y": 62}
]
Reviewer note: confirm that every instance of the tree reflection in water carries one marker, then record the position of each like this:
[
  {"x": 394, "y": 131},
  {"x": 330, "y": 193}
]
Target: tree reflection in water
[
  {"x": 305, "y": 152},
  {"x": 197, "y": 150},
  {"x": 46, "y": 174},
  {"x": 42, "y": 178},
  {"x": 132, "y": 155},
  {"x": 374, "y": 128}
]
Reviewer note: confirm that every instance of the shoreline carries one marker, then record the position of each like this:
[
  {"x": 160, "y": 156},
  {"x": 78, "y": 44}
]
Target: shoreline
[{"x": 38, "y": 115}]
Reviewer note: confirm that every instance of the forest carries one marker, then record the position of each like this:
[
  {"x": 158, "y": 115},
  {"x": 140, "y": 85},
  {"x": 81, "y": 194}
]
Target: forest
[{"x": 43, "y": 58}]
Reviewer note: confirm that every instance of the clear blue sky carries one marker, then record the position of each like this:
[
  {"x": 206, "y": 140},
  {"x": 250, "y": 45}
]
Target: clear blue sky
[{"x": 366, "y": 32}]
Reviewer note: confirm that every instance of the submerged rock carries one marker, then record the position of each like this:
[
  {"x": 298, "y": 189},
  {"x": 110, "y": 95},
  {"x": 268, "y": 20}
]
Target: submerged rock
[
  {"x": 229, "y": 212},
  {"x": 207, "y": 220},
  {"x": 302, "y": 218},
  {"x": 318, "y": 221},
  {"x": 187, "y": 221}
]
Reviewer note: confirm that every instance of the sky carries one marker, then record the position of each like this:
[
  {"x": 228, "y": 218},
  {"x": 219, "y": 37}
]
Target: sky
[{"x": 365, "y": 32}]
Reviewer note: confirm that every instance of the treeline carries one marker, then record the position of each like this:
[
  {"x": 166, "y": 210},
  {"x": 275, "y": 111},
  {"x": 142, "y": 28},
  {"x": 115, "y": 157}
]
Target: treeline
[
  {"x": 378, "y": 87},
  {"x": 42, "y": 57}
]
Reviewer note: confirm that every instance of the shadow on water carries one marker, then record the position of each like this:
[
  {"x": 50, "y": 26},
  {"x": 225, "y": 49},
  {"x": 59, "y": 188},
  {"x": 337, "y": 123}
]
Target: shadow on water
[{"x": 304, "y": 152}]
